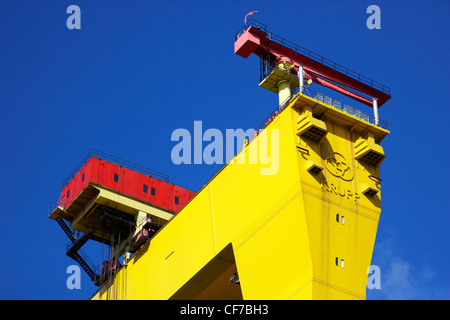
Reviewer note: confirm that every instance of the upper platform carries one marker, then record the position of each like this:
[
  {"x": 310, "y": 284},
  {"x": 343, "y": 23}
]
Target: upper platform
[
  {"x": 104, "y": 187},
  {"x": 255, "y": 38}
]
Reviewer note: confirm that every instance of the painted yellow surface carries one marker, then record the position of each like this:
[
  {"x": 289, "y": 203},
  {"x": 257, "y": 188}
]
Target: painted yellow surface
[{"x": 290, "y": 233}]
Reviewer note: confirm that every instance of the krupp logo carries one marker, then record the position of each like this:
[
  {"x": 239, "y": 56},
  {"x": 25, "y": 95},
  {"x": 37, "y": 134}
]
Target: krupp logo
[{"x": 338, "y": 167}]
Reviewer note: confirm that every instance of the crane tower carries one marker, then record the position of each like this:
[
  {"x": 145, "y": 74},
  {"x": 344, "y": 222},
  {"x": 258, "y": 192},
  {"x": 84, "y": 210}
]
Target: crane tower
[{"x": 306, "y": 231}]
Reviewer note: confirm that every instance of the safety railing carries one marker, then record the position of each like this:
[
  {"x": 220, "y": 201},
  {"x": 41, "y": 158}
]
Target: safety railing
[
  {"x": 89, "y": 263},
  {"x": 345, "y": 108},
  {"x": 54, "y": 206},
  {"x": 266, "y": 66},
  {"x": 321, "y": 98},
  {"x": 314, "y": 56},
  {"x": 121, "y": 162}
]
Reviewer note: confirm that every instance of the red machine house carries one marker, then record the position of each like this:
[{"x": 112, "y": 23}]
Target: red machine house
[
  {"x": 115, "y": 202},
  {"x": 131, "y": 182}
]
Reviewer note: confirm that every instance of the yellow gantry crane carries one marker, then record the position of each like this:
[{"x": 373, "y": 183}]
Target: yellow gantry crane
[{"x": 305, "y": 230}]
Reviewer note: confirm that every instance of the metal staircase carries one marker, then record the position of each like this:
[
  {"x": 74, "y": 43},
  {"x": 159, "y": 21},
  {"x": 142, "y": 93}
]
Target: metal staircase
[
  {"x": 66, "y": 229},
  {"x": 74, "y": 251}
]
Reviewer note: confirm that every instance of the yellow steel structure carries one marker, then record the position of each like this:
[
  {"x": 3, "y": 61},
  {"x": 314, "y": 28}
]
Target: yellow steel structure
[{"x": 305, "y": 231}]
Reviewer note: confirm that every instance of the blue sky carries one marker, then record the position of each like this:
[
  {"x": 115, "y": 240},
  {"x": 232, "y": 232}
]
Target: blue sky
[{"x": 138, "y": 70}]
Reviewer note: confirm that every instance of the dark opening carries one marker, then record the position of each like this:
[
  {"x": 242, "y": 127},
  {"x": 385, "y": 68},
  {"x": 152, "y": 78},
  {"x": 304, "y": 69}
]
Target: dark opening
[{"x": 213, "y": 281}]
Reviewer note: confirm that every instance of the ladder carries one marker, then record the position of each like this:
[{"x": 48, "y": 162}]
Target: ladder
[
  {"x": 66, "y": 230},
  {"x": 74, "y": 251}
]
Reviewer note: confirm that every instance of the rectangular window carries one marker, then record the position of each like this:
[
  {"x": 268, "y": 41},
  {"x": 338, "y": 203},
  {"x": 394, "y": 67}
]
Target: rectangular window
[
  {"x": 116, "y": 177},
  {"x": 153, "y": 191},
  {"x": 145, "y": 188},
  {"x": 177, "y": 200},
  {"x": 68, "y": 194},
  {"x": 82, "y": 178}
]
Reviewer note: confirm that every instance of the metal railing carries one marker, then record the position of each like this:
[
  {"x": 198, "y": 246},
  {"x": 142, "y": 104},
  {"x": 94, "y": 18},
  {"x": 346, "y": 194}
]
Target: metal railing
[
  {"x": 345, "y": 108},
  {"x": 103, "y": 156},
  {"x": 94, "y": 268},
  {"x": 121, "y": 162},
  {"x": 54, "y": 206},
  {"x": 266, "y": 66},
  {"x": 320, "y": 98},
  {"x": 314, "y": 56}
]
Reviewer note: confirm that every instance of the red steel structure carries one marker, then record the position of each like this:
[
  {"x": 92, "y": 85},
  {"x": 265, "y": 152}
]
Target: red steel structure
[
  {"x": 106, "y": 221},
  {"x": 254, "y": 38},
  {"x": 119, "y": 177}
]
